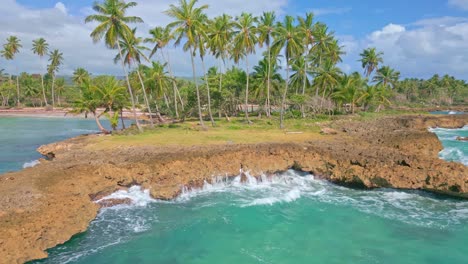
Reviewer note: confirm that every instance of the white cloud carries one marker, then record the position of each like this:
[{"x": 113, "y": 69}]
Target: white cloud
[
  {"x": 387, "y": 31},
  {"x": 70, "y": 35},
  {"x": 60, "y": 6},
  {"x": 330, "y": 11},
  {"x": 463, "y": 4},
  {"x": 428, "y": 47}
]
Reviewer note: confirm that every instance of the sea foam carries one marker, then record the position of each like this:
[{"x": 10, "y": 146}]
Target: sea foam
[
  {"x": 136, "y": 194},
  {"x": 31, "y": 164}
]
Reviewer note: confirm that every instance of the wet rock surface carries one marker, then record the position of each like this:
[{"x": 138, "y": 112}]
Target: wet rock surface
[{"x": 44, "y": 206}]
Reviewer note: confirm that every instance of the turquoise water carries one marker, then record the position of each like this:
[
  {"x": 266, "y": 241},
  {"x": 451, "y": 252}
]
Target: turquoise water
[
  {"x": 454, "y": 150},
  {"x": 20, "y": 137},
  {"x": 288, "y": 218},
  {"x": 447, "y": 112}
]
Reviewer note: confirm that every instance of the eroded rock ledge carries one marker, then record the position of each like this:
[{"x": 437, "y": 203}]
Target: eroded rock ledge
[{"x": 44, "y": 206}]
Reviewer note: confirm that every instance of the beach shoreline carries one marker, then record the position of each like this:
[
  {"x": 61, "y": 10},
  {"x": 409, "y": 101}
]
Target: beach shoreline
[{"x": 41, "y": 112}]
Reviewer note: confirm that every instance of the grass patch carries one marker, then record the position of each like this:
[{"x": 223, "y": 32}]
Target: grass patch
[{"x": 237, "y": 131}]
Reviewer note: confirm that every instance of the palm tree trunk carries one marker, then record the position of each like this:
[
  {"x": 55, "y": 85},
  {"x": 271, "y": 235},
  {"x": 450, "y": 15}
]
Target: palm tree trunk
[
  {"x": 247, "y": 90},
  {"x": 220, "y": 85},
  {"x": 43, "y": 90},
  {"x": 208, "y": 93},
  {"x": 166, "y": 100},
  {"x": 320, "y": 64},
  {"x": 180, "y": 99},
  {"x": 18, "y": 91},
  {"x": 122, "y": 119},
  {"x": 268, "y": 106},
  {"x": 53, "y": 91},
  {"x": 146, "y": 97},
  {"x": 196, "y": 87},
  {"x": 130, "y": 91},
  {"x": 158, "y": 113},
  {"x": 304, "y": 87},
  {"x": 283, "y": 102},
  {"x": 98, "y": 123},
  {"x": 323, "y": 96},
  {"x": 174, "y": 85}
]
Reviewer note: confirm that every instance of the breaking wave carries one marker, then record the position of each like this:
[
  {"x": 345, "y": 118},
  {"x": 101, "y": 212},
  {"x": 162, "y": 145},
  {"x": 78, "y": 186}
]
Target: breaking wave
[
  {"x": 454, "y": 150},
  {"x": 31, "y": 164},
  {"x": 412, "y": 207},
  {"x": 121, "y": 224}
]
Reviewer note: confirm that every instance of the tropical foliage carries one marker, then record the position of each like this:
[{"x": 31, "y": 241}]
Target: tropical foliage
[{"x": 297, "y": 76}]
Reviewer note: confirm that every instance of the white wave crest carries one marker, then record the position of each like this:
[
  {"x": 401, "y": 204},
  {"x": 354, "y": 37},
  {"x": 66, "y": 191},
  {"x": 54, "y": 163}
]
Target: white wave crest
[
  {"x": 412, "y": 207},
  {"x": 453, "y": 150},
  {"x": 136, "y": 194},
  {"x": 454, "y": 154},
  {"x": 31, "y": 164}
]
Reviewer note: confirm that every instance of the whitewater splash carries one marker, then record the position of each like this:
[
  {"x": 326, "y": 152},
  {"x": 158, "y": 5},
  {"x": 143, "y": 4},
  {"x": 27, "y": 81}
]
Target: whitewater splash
[
  {"x": 291, "y": 186},
  {"x": 454, "y": 154},
  {"x": 136, "y": 194},
  {"x": 454, "y": 150},
  {"x": 31, "y": 164},
  {"x": 290, "y": 190},
  {"x": 114, "y": 225}
]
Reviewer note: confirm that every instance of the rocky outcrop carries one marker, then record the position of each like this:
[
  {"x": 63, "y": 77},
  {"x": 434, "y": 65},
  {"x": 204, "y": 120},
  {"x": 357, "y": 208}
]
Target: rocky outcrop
[{"x": 44, "y": 206}]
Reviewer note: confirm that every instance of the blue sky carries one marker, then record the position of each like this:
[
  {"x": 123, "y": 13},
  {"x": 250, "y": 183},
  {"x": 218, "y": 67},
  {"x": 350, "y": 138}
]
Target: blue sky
[
  {"x": 419, "y": 38},
  {"x": 354, "y": 17}
]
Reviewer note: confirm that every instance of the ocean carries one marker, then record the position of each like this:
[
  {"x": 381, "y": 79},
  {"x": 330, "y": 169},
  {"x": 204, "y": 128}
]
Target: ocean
[{"x": 290, "y": 218}]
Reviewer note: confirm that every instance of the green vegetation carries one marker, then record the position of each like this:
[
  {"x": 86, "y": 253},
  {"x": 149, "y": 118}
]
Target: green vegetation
[{"x": 310, "y": 85}]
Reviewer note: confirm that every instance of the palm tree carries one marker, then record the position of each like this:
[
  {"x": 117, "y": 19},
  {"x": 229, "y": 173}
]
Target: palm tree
[
  {"x": 266, "y": 27},
  {"x": 156, "y": 79},
  {"x": 264, "y": 73},
  {"x": 244, "y": 41},
  {"x": 370, "y": 60},
  {"x": 10, "y": 49},
  {"x": 306, "y": 29},
  {"x": 350, "y": 90},
  {"x": 41, "y": 47},
  {"x": 188, "y": 19},
  {"x": 106, "y": 92},
  {"x": 80, "y": 75},
  {"x": 202, "y": 43},
  {"x": 55, "y": 59},
  {"x": 377, "y": 95},
  {"x": 29, "y": 87},
  {"x": 219, "y": 36},
  {"x": 132, "y": 52},
  {"x": 322, "y": 39},
  {"x": 113, "y": 26},
  {"x": 335, "y": 51},
  {"x": 161, "y": 36},
  {"x": 326, "y": 77},
  {"x": 59, "y": 89},
  {"x": 287, "y": 37},
  {"x": 387, "y": 76},
  {"x": 433, "y": 85},
  {"x": 300, "y": 75}
]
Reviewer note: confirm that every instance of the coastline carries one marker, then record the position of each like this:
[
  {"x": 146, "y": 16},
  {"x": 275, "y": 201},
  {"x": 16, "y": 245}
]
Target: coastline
[
  {"x": 40, "y": 204},
  {"x": 41, "y": 112}
]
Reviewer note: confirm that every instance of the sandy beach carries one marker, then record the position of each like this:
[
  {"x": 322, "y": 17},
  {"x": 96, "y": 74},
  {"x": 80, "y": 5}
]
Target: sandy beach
[{"x": 57, "y": 113}]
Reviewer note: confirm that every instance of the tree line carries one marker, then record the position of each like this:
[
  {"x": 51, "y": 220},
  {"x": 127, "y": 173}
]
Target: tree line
[
  {"x": 298, "y": 75},
  {"x": 40, "y": 47}
]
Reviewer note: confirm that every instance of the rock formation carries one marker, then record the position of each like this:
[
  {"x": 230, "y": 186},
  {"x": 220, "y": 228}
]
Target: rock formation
[{"x": 44, "y": 206}]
